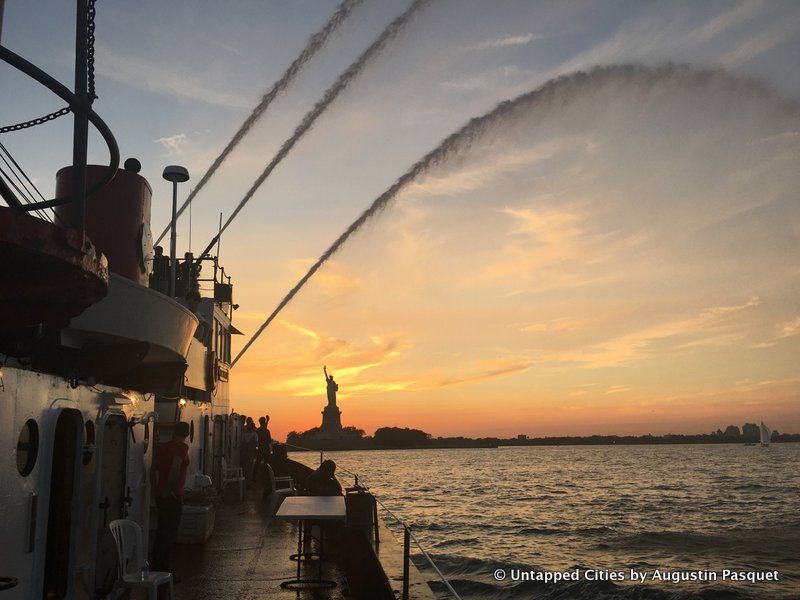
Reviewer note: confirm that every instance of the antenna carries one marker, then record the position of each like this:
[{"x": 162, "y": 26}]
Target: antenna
[{"x": 219, "y": 234}]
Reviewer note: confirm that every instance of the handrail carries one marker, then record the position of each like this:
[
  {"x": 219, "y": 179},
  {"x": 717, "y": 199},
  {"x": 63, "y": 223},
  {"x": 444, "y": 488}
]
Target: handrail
[
  {"x": 406, "y": 527},
  {"x": 63, "y": 92}
]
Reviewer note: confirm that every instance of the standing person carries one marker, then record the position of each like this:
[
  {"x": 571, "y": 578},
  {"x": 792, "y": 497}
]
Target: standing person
[
  {"x": 249, "y": 448},
  {"x": 264, "y": 445},
  {"x": 159, "y": 278},
  {"x": 168, "y": 476}
]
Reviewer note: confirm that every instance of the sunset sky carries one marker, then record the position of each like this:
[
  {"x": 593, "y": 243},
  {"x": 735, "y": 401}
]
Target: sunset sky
[{"x": 624, "y": 260}]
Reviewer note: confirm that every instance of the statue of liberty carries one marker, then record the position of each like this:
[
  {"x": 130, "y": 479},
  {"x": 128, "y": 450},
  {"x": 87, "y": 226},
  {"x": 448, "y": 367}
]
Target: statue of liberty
[
  {"x": 331, "y": 416},
  {"x": 333, "y": 387}
]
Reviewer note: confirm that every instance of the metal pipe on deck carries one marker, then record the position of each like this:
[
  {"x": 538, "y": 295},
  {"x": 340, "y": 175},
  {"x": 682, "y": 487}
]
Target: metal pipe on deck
[{"x": 80, "y": 132}]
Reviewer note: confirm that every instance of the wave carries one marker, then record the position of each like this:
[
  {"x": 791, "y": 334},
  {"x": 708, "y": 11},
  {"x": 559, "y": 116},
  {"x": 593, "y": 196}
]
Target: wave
[
  {"x": 580, "y": 531},
  {"x": 473, "y": 579},
  {"x": 731, "y": 540}
]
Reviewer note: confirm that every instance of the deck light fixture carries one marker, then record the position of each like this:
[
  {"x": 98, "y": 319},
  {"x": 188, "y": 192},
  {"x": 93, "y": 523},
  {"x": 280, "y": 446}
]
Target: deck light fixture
[{"x": 176, "y": 174}]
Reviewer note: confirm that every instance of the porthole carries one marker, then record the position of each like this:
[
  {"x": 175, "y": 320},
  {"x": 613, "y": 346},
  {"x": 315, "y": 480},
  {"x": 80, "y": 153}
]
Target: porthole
[
  {"x": 191, "y": 431},
  {"x": 27, "y": 447},
  {"x": 88, "y": 448}
]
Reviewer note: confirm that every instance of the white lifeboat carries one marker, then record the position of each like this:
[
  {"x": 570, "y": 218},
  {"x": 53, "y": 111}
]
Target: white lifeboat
[{"x": 134, "y": 313}]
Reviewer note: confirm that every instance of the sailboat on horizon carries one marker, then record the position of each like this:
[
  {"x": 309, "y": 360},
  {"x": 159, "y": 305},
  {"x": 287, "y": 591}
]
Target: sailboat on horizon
[{"x": 766, "y": 434}]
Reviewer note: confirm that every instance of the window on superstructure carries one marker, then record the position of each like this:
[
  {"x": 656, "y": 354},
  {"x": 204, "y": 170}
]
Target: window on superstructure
[
  {"x": 218, "y": 339},
  {"x": 27, "y": 447}
]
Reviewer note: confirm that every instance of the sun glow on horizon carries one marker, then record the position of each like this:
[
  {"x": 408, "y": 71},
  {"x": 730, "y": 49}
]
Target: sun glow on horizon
[{"x": 554, "y": 279}]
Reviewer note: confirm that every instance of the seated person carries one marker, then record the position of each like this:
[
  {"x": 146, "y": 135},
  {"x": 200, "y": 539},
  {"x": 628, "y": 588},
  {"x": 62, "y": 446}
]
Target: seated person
[{"x": 322, "y": 482}]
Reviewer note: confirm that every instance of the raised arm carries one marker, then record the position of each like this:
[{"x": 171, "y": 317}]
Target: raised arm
[{"x": 325, "y": 370}]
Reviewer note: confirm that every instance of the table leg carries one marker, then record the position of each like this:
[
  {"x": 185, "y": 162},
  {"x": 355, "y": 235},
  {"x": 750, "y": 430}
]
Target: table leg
[
  {"x": 321, "y": 552},
  {"x": 300, "y": 541},
  {"x": 297, "y": 583}
]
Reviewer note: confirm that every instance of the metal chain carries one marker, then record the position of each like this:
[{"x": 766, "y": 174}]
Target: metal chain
[
  {"x": 53, "y": 115},
  {"x": 90, "y": 27}
]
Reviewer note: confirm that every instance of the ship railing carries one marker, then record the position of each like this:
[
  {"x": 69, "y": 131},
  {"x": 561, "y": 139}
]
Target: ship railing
[{"x": 408, "y": 534}]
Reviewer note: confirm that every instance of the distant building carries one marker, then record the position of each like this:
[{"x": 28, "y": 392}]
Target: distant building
[{"x": 522, "y": 437}]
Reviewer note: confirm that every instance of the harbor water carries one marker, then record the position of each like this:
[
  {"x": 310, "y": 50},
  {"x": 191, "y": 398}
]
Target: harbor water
[{"x": 601, "y": 510}]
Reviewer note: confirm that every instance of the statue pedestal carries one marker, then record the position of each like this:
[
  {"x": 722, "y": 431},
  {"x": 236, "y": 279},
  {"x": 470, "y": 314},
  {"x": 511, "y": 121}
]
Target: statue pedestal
[{"x": 331, "y": 419}]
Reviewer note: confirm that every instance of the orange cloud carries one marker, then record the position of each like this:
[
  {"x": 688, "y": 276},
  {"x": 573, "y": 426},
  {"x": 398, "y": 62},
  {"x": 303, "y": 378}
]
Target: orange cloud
[{"x": 625, "y": 348}]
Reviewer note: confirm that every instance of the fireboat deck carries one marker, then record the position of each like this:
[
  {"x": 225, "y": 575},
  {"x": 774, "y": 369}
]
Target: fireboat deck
[{"x": 246, "y": 558}]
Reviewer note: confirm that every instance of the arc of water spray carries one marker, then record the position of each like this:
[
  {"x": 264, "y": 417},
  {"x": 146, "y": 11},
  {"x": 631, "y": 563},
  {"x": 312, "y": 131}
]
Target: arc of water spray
[
  {"x": 555, "y": 92},
  {"x": 315, "y": 43},
  {"x": 391, "y": 31}
]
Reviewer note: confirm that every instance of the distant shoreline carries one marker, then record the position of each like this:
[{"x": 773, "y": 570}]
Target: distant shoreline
[{"x": 469, "y": 443}]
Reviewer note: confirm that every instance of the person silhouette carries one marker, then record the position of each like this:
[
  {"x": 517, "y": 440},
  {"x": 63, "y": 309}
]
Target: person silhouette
[
  {"x": 332, "y": 386},
  {"x": 323, "y": 482}
]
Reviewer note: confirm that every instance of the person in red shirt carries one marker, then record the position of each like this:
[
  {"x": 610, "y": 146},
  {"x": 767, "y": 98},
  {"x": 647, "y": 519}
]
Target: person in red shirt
[{"x": 168, "y": 476}]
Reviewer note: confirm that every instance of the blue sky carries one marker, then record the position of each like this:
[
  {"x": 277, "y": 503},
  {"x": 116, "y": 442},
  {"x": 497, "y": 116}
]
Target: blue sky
[{"x": 175, "y": 80}]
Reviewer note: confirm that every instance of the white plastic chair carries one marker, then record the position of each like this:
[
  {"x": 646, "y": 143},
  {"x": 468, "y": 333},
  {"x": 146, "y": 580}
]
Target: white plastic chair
[
  {"x": 277, "y": 489},
  {"x": 130, "y": 558},
  {"x": 235, "y": 475}
]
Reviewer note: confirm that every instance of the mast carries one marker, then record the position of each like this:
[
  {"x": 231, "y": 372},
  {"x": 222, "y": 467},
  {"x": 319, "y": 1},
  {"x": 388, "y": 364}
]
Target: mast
[{"x": 80, "y": 133}]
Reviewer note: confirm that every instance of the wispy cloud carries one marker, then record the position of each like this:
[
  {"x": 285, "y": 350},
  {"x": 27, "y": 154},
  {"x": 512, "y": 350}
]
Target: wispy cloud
[
  {"x": 556, "y": 325},
  {"x": 551, "y": 247},
  {"x": 762, "y": 42},
  {"x": 156, "y": 78},
  {"x": 333, "y": 279},
  {"x": 492, "y": 168},
  {"x": 790, "y": 328},
  {"x": 352, "y": 363},
  {"x": 655, "y": 35},
  {"x": 780, "y": 332},
  {"x": 507, "y": 41},
  {"x": 617, "y": 389},
  {"x": 174, "y": 143},
  {"x": 300, "y": 374},
  {"x": 493, "y": 370},
  {"x": 625, "y": 348}
]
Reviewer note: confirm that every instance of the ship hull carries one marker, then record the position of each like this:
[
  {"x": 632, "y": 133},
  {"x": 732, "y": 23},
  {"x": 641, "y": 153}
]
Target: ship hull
[{"x": 73, "y": 459}]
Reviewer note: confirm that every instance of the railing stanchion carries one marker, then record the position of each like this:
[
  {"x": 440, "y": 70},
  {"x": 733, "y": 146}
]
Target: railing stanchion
[
  {"x": 408, "y": 536},
  {"x": 376, "y": 526},
  {"x": 406, "y": 558}
]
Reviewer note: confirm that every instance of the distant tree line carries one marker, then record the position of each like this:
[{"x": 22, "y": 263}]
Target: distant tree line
[
  {"x": 404, "y": 437},
  {"x": 352, "y": 438}
]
